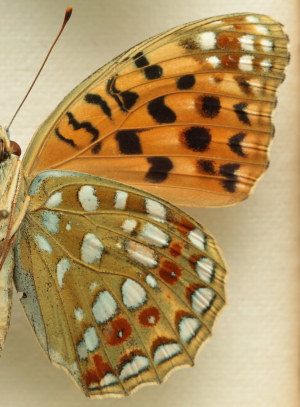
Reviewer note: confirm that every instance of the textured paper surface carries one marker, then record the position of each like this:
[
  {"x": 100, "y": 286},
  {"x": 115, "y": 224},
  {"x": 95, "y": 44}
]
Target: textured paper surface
[{"x": 253, "y": 358}]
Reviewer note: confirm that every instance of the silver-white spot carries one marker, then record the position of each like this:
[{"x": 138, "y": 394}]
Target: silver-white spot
[
  {"x": 252, "y": 19},
  {"x": 202, "y": 299},
  {"x": 156, "y": 210},
  {"x": 54, "y": 200},
  {"x": 79, "y": 314},
  {"x": 104, "y": 308},
  {"x": 214, "y": 61},
  {"x": 61, "y": 268},
  {"x": 69, "y": 226},
  {"x": 129, "y": 225},
  {"x": 197, "y": 237},
  {"x": 166, "y": 351},
  {"x": 262, "y": 29},
  {"x": 134, "y": 295},
  {"x": 91, "y": 339},
  {"x": 50, "y": 221},
  {"x": 245, "y": 63},
  {"x": 82, "y": 350},
  {"x": 188, "y": 328},
  {"x": 141, "y": 254},
  {"x": 137, "y": 365},
  {"x": 205, "y": 268},
  {"x": 207, "y": 40},
  {"x": 155, "y": 236},
  {"x": 151, "y": 281},
  {"x": 87, "y": 198},
  {"x": 121, "y": 200},
  {"x": 247, "y": 42},
  {"x": 91, "y": 249},
  {"x": 266, "y": 64},
  {"x": 108, "y": 380},
  {"x": 266, "y": 44},
  {"x": 43, "y": 243},
  {"x": 94, "y": 285}
]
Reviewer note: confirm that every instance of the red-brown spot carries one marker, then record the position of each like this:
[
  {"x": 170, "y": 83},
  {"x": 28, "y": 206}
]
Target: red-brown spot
[
  {"x": 175, "y": 250},
  {"x": 116, "y": 331},
  {"x": 91, "y": 376},
  {"x": 228, "y": 41},
  {"x": 149, "y": 316},
  {"x": 231, "y": 61},
  {"x": 170, "y": 272},
  {"x": 95, "y": 375},
  {"x": 183, "y": 226}
]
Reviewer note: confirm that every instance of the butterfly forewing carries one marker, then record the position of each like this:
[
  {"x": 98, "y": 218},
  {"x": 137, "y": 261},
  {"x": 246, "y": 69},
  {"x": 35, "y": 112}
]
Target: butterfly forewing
[
  {"x": 186, "y": 114},
  {"x": 119, "y": 285}
]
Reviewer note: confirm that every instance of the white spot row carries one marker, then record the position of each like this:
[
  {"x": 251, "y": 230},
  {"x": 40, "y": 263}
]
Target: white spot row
[
  {"x": 105, "y": 307},
  {"x": 88, "y": 199},
  {"x": 121, "y": 200},
  {"x": 207, "y": 40},
  {"x": 198, "y": 238},
  {"x": 61, "y": 268},
  {"x": 202, "y": 299},
  {"x": 89, "y": 343},
  {"x": 133, "y": 368},
  {"x": 156, "y": 210},
  {"x": 246, "y": 61},
  {"x": 205, "y": 268},
  {"x": 166, "y": 352},
  {"x": 134, "y": 295},
  {"x": 188, "y": 328},
  {"x": 142, "y": 254},
  {"x": 50, "y": 221},
  {"x": 91, "y": 248}
]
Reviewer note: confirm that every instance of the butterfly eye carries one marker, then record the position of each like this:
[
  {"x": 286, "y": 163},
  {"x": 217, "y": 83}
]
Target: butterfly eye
[
  {"x": 3, "y": 153},
  {"x": 16, "y": 149}
]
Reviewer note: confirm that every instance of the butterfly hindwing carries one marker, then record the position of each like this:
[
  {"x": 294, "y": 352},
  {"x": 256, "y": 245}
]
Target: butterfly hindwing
[
  {"x": 185, "y": 115},
  {"x": 119, "y": 286}
]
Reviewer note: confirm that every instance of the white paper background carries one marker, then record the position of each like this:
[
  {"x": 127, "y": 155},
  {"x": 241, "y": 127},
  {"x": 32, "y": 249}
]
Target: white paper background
[{"x": 253, "y": 358}]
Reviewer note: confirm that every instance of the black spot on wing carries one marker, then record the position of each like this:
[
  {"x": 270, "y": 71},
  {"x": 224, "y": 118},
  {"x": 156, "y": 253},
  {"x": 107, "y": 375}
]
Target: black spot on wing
[
  {"x": 125, "y": 100},
  {"x": 129, "y": 142},
  {"x": 235, "y": 144},
  {"x": 140, "y": 60},
  {"x": 87, "y": 126},
  {"x": 243, "y": 85},
  {"x": 186, "y": 82},
  {"x": 96, "y": 99},
  {"x": 160, "y": 112},
  {"x": 159, "y": 170},
  {"x": 231, "y": 179},
  {"x": 196, "y": 138},
  {"x": 208, "y": 106},
  {"x": 64, "y": 139},
  {"x": 129, "y": 99},
  {"x": 239, "y": 109},
  {"x": 207, "y": 166},
  {"x": 153, "y": 72},
  {"x": 96, "y": 147}
]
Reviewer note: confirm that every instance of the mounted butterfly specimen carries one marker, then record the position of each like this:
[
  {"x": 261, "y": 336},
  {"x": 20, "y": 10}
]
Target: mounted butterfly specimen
[{"x": 119, "y": 285}]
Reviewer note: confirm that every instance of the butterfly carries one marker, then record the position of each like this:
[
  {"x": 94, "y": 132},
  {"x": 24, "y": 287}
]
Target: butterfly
[{"x": 119, "y": 285}]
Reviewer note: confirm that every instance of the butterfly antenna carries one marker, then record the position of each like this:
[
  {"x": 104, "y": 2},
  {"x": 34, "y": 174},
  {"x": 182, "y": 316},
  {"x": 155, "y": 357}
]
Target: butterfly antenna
[{"x": 68, "y": 14}]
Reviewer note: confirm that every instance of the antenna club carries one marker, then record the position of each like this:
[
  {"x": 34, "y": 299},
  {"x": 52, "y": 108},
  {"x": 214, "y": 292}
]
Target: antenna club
[{"x": 68, "y": 14}]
